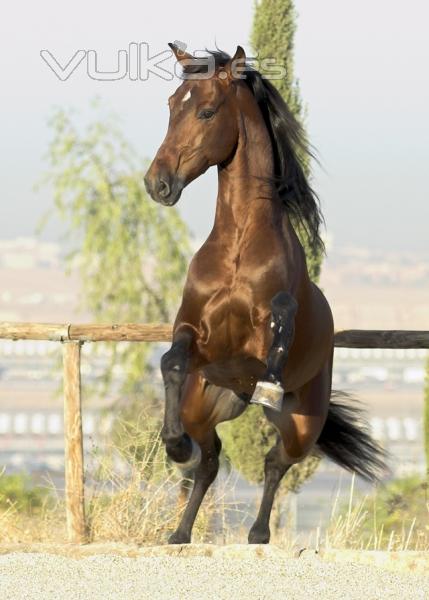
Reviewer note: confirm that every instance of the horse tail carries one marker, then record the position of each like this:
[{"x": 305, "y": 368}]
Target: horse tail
[{"x": 346, "y": 439}]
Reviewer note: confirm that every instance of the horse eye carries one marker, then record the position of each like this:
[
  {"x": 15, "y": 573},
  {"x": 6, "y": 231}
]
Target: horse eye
[{"x": 206, "y": 114}]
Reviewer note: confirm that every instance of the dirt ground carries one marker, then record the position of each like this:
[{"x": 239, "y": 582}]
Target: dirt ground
[{"x": 212, "y": 572}]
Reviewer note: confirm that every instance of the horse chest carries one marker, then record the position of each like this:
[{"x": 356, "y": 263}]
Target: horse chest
[
  {"x": 226, "y": 310},
  {"x": 227, "y": 321},
  {"x": 223, "y": 292}
]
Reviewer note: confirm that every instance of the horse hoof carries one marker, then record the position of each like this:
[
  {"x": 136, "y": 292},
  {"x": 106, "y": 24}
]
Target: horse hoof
[
  {"x": 259, "y": 537},
  {"x": 269, "y": 395},
  {"x": 193, "y": 461},
  {"x": 179, "y": 537},
  {"x": 180, "y": 449}
]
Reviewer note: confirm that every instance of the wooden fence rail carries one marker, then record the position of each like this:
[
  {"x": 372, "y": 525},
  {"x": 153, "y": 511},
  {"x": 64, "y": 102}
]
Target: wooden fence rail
[
  {"x": 63, "y": 332},
  {"x": 159, "y": 332},
  {"x": 73, "y": 336}
]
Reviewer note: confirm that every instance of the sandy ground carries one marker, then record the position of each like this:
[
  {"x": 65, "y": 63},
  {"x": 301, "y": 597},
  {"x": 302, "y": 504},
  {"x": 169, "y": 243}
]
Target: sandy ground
[{"x": 28, "y": 576}]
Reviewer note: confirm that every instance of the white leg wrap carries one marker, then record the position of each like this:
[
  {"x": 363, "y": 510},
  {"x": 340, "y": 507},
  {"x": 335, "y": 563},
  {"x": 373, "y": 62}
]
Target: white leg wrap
[{"x": 268, "y": 394}]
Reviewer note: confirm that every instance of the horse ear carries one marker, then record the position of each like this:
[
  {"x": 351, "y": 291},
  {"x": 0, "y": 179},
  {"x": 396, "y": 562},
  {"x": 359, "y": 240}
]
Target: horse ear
[
  {"x": 180, "y": 54},
  {"x": 236, "y": 65}
]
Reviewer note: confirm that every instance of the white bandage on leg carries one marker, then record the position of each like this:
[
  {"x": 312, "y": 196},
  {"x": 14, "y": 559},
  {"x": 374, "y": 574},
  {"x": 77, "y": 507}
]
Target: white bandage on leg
[{"x": 268, "y": 394}]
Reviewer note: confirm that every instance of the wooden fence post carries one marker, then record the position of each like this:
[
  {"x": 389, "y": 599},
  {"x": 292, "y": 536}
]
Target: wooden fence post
[{"x": 74, "y": 473}]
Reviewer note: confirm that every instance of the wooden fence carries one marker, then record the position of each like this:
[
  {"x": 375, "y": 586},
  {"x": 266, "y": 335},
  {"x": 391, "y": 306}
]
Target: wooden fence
[{"x": 73, "y": 336}]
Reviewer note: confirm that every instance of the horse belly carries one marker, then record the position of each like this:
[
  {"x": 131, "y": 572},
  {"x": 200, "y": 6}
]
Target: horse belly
[{"x": 237, "y": 373}]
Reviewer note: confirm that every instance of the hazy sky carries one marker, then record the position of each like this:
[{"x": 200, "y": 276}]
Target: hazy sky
[{"x": 363, "y": 68}]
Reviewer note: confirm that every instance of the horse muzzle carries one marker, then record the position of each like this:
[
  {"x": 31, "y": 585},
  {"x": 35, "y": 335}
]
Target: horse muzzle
[{"x": 164, "y": 188}]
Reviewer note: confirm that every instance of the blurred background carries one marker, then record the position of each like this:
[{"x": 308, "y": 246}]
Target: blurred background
[{"x": 74, "y": 218}]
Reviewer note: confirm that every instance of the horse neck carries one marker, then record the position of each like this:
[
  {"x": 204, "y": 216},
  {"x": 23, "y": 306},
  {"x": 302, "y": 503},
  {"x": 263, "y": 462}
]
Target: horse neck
[{"x": 245, "y": 190}]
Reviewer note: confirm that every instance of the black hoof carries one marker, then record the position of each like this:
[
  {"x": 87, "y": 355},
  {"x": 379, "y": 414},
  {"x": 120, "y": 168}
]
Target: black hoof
[
  {"x": 179, "y": 450},
  {"x": 259, "y": 536},
  {"x": 179, "y": 537}
]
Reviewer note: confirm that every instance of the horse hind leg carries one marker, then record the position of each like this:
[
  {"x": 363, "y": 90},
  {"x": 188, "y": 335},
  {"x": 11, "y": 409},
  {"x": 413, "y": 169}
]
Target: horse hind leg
[
  {"x": 299, "y": 430},
  {"x": 275, "y": 468},
  {"x": 269, "y": 392}
]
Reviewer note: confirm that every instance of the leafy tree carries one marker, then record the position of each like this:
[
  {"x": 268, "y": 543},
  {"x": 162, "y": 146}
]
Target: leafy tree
[
  {"x": 272, "y": 37},
  {"x": 132, "y": 257}
]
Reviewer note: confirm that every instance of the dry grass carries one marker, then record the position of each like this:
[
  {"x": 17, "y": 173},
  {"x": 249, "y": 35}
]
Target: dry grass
[
  {"x": 138, "y": 496},
  {"x": 134, "y": 495},
  {"x": 47, "y": 524},
  {"x": 359, "y": 528}
]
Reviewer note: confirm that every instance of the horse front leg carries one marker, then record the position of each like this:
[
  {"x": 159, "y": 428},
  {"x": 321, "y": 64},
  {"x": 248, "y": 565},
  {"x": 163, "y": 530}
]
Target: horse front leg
[
  {"x": 203, "y": 407},
  {"x": 269, "y": 392},
  {"x": 205, "y": 474},
  {"x": 174, "y": 366}
]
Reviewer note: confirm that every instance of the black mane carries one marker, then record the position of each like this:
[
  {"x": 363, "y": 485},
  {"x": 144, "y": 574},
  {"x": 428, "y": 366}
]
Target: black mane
[{"x": 288, "y": 141}]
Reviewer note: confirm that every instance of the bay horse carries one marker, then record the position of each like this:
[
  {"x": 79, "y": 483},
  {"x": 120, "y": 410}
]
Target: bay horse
[{"x": 252, "y": 326}]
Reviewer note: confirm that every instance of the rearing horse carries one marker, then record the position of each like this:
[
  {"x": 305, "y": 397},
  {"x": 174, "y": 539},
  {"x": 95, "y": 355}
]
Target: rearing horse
[{"x": 252, "y": 327}]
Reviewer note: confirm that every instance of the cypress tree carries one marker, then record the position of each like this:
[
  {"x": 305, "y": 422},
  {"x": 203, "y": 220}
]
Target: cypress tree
[
  {"x": 273, "y": 33},
  {"x": 272, "y": 37},
  {"x": 251, "y": 436}
]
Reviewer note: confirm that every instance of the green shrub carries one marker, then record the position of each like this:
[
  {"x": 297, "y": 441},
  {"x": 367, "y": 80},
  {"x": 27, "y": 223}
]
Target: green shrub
[
  {"x": 18, "y": 491},
  {"x": 246, "y": 442},
  {"x": 394, "y": 517},
  {"x": 398, "y": 503}
]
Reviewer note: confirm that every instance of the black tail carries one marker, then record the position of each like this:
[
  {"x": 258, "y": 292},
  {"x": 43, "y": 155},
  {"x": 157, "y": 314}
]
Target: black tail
[{"x": 346, "y": 440}]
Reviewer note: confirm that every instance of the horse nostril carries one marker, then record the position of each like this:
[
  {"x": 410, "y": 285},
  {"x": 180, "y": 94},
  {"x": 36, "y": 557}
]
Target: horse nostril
[{"x": 163, "y": 188}]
